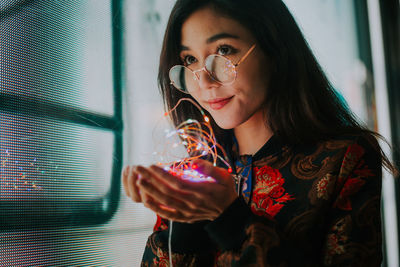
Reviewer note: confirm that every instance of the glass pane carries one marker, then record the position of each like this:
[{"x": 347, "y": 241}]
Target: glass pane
[
  {"x": 59, "y": 51},
  {"x": 53, "y": 160},
  {"x": 4, "y": 4}
]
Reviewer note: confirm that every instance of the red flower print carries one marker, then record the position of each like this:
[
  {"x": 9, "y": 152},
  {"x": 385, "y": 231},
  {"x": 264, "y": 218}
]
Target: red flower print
[
  {"x": 324, "y": 186},
  {"x": 160, "y": 224},
  {"x": 269, "y": 194},
  {"x": 350, "y": 160},
  {"x": 353, "y": 154},
  {"x": 162, "y": 259},
  {"x": 337, "y": 239},
  {"x": 362, "y": 170},
  {"x": 351, "y": 187},
  {"x": 353, "y": 172}
]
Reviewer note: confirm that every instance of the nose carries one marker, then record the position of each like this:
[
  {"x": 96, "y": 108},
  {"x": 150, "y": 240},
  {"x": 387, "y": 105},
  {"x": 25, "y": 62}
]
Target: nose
[{"x": 206, "y": 81}]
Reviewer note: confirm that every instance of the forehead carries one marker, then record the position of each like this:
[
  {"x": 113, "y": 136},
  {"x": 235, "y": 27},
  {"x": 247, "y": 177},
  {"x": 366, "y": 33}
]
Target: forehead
[{"x": 206, "y": 22}]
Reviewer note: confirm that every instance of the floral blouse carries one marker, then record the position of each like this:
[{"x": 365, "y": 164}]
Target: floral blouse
[{"x": 304, "y": 205}]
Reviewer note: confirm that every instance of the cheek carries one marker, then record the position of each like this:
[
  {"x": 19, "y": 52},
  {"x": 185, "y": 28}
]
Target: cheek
[
  {"x": 196, "y": 97},
  {"x": 253, "y": 87},
  {"x": 257, "y": 82}
]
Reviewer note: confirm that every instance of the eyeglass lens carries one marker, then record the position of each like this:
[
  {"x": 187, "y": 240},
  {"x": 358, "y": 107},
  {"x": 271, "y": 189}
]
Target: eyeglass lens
[{"x": 219, "y": 68}]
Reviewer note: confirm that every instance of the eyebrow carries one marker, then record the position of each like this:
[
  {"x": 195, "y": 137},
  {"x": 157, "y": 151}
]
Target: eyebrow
[{"x": 216, "y": 37}]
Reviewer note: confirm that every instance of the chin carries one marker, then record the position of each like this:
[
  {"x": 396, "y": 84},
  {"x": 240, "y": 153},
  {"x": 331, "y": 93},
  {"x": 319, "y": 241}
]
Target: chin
[{"x": 224, "y": 124}]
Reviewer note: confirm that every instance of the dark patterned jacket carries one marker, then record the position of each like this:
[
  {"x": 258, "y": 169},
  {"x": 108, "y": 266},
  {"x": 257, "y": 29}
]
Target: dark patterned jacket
[{"x": 314, "y": 205}]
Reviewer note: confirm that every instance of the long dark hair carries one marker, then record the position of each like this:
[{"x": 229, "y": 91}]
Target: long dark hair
[{"x": 301, "y": 105}]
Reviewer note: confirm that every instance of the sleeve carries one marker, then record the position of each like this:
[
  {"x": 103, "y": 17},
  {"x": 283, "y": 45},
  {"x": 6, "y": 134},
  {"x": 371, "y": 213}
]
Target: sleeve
[
  {"x": 352, "y": 232},
  {"x": 354, "y": 235},
  {"x": 190, "y": 244},
  {"x": 244, "y": 238}
]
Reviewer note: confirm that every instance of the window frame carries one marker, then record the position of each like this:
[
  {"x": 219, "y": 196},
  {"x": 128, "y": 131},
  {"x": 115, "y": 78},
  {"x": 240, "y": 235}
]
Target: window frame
[{"x": 390, "y": 20}]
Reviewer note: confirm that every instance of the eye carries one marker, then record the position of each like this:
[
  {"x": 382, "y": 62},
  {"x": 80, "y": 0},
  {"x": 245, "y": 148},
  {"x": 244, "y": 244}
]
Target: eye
[
  {"x": 226, "y": 50},
  {"x": 188, "y": 60}
]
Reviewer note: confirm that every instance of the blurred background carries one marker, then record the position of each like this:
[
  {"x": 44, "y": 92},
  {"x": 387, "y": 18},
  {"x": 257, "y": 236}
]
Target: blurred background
[{"x": 79, "y": 100}]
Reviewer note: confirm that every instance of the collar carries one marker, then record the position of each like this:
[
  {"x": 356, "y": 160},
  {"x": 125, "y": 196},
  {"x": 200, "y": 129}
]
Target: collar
[{"x": 272, "y": 146}]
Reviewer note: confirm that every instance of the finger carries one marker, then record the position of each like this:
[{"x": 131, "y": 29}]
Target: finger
[
  {"x": 195, "y": 194},
  {"x": 186, "y": 202},
  {"x": 163, "y": 195},
  {"x": 124, "y": 174},
  {"x": 163, "y": 211},
  {"x": 196, "y": 201},
  {"x": 134, "y": 193},
  {"x": 172, "y": 214},
  {"x": 135, "y": 188},
  {"x": 207, "y": 168},
  {"x": 178, "y": 183}
]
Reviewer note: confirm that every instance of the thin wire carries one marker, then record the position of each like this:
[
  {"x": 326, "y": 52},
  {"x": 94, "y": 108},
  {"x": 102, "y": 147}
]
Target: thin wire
[
  {"x": 169, "y": 243},
  {"x": 199, "y": 141}
]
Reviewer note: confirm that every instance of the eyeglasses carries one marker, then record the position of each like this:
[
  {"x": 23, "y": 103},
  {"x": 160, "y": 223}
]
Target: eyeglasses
[{"x": 220, "y": 68}]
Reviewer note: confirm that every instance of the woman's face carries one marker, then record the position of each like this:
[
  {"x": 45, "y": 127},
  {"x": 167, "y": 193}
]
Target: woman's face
[{"x": 206, "y": 32}]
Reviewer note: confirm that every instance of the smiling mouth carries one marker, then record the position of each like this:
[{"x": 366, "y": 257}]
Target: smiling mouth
[{"x": 219, "y": 103}]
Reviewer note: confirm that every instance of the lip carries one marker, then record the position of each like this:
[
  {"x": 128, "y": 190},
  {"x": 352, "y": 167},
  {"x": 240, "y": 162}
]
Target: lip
[{"x": 218, "y": 103}]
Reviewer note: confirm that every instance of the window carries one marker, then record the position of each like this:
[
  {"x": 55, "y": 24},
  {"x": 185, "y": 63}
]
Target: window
[{"x": 60, "y": 112}]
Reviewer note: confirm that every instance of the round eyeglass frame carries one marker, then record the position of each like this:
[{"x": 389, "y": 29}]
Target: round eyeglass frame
[{"x": 197, "y": 77}]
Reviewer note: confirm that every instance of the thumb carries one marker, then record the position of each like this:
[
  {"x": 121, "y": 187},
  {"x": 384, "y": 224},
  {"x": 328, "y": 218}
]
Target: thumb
[{"x": 207, "y": 168}]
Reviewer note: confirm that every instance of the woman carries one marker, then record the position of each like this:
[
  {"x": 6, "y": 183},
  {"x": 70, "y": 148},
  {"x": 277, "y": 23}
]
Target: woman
[{"x": 310, "y": 175}]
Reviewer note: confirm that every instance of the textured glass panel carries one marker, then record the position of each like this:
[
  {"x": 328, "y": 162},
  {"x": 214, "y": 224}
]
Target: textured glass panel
[
  {"x": 59, "y": 51},
  {"x": 47, "y": 159},
  {"x": 4, "y": 4}
]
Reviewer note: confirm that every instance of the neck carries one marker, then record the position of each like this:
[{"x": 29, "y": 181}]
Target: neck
[{"x": 252, "y": 134}]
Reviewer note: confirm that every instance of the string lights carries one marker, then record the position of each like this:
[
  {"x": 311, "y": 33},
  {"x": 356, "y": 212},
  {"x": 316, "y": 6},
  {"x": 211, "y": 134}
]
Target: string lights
[{"x": 199, "y": 142}]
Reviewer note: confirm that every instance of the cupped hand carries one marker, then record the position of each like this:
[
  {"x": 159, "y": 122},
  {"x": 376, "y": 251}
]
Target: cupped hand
[
  {"x": 177, "y": 199},
  {"x": 129, "y": 181}
]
